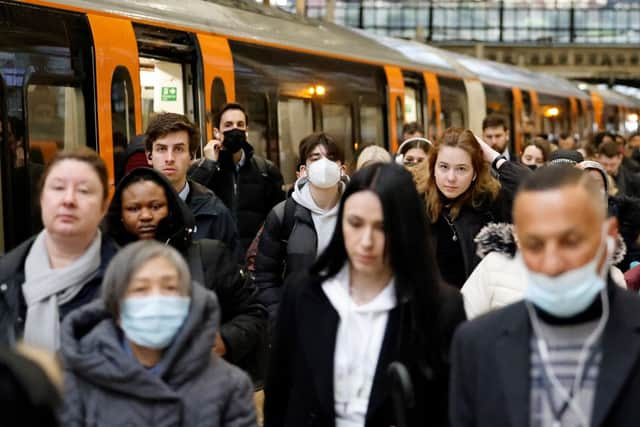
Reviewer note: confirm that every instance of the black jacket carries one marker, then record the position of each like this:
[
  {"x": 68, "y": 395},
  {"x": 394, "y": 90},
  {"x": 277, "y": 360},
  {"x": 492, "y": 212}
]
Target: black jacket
[
  {"x": 13, "y": 307},
  {"x": 491, "y": 368},
  {"x": 280, "y": 255},
  {"x": 213, "y": 219},
  {"x": 471, "y": 220},
  {"x": 249, "y": 193},
  {"x": 300, "y": 380},
  {"x": 243, "y": 318},
  {"x": 628, "y": 182}
]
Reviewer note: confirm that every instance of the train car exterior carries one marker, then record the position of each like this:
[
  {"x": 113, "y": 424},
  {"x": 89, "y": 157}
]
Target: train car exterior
[{"x": 92, "y": 72}]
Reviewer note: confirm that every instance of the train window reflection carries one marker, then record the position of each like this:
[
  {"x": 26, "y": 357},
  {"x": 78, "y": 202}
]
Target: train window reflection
[
  {"x": 371, "y": 125},
  {"x": 123, "y": 120},
  {"x": 56, "y": 120},
  {"x": 295, "y": 121},
  {"x": 256, "y": 106},
  {"x": 336, "y": 121},
  {"x": 453, "y": 101}
]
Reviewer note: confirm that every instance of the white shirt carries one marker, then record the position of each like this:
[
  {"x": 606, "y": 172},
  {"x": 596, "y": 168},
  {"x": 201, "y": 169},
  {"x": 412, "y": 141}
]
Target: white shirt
[
  {"x": 184, "y": 193},
  {"x": 358, "y": 344}
]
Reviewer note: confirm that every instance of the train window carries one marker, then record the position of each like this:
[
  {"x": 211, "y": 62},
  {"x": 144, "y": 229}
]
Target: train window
[
  {"x": 371, "y": 125},
  {"x": 453, "y": 102},
  {"x": 55, "y": 120},
  {"x": 162, "y": 88},
  {"x": 7, "y": 141},
  {"x": 399, "y": 119},
  {"x": 123, "y": 118},
  {"x": 295, "y": 121},
  {"x": 256, "y": 106},
  {"x": 411, "y": 105},
  {"x": 218, "y": 98},
  {"x": 336, "y": 121}
]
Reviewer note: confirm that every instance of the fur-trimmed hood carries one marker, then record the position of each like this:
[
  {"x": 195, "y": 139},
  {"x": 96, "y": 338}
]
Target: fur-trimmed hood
[{"x": 499, "y": 237}]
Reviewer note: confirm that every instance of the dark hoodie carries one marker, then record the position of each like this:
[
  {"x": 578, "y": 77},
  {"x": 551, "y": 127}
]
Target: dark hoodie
[
  {"x": 243, "y": 318},
  {"x": 106, "y": 386}
]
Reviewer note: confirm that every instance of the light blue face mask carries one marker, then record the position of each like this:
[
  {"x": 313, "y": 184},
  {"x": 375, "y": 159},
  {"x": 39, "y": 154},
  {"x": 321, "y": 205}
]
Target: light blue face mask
[
  {"x": 571, "y": 292},
  {"x": 153, "y": 321}
]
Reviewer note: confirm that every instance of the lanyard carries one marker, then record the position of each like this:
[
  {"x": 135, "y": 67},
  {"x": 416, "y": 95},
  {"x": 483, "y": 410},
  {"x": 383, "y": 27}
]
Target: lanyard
[{"x": 568, "y": 396}]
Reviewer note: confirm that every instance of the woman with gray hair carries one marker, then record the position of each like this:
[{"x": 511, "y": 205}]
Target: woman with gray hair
[{"x": 141, "y": 355}]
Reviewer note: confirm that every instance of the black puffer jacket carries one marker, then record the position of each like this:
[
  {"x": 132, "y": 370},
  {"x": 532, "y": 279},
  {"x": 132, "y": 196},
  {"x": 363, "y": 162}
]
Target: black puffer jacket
[
  {"x": 13, "y": 308},
  {"x": 471, "y": 220},
  {"x": 249, "y": 193},
  {"x": 243, "y": 318},
  {"x": 280, "y": 254}
]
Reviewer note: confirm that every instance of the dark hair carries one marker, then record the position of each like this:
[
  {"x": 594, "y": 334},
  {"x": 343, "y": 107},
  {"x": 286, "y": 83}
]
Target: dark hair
[
  {"x": 165, "y": 123},
  {"x": 600, "y": 136},
  {"x": 230, "y": 106},
  {"x": 541, "y": 144},
  {"x": 494, "y": 120},
  {"x": 81, "y": 154},
  {"x": 310, "y": 142},
  {"x": 415, "y": 271},
  {"x": 565, "y": 135},
  {"x": 413, "y": 127},
  {"x": 609, "y": 149}
]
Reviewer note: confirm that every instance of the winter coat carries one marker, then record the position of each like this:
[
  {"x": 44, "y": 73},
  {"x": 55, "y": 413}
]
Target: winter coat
[
  {"x": 280, "y": 255},
  {"x": 106, "y": 386},
  {"x": 213, "y": 219},
  {"x": 13, "y": 308},
  {"x": 243, "y": 317},
  {"x": 249, "y": 193},
  {"x": 628, "y": 182},
  {"x": 300, "y": 382},
  {"x": 471, "y": 220},
  {"x": 500, "y": 279}
]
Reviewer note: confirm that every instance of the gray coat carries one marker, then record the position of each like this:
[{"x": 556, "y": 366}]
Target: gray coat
[{"x": 106, "y": 386}]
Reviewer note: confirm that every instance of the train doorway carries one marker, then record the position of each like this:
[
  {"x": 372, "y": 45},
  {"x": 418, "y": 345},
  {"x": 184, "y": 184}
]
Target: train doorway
[{"x": 170, "y": 74}]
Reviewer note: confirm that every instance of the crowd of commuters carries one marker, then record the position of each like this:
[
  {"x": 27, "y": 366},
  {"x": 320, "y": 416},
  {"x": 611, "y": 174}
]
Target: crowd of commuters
[{"x": 500, "y": 285}]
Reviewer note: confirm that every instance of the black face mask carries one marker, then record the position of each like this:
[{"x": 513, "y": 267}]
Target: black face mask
[
  {"x": 234, "y": 139},
  {"x": 532, "y": 167},
  {"x": 635, "y": 154}
]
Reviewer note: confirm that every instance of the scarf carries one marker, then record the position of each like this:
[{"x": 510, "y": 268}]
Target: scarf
[{"x": 45, "y": 289}]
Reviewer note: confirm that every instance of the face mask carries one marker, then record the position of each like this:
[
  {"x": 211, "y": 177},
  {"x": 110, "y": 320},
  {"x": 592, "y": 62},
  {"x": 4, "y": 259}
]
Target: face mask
[
  {"x": 234, "y": 139},
  {"x": 153, "y": 321},
  {"x": 323, "y": 173},
  {"x": 571, "y": 292},
  {"x": 532, "y": 167}
]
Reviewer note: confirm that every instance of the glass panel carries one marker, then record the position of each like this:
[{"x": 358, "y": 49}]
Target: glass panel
[
  {"x": 256, "y": 106},
  {"x": 453, "y": 101},
  {"x": 162, "y": 88},
  {"x": 371, "y": 125},
  {"x": 410, "y": 104},
  {"x": 218, "y": 96},
  {"x": 123, "y": 118},
  {"x": 336, "y": 121},
  {"x": 295, "y": 121}
]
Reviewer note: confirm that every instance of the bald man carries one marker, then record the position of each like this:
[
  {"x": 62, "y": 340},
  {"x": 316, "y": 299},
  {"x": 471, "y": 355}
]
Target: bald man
[{"x": 568, "y": 355}]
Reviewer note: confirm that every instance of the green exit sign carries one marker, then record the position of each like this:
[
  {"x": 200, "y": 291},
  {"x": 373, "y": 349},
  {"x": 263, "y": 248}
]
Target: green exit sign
[{"x": 169, "y": 94}]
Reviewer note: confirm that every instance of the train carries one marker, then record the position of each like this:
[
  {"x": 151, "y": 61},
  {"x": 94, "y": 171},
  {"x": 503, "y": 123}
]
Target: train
[{"x": 92, "y": 72}]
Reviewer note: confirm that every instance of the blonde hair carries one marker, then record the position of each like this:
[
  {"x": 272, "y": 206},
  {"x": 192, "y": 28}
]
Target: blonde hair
[
  {"x": 483, "y": 189},
  {"x": 372, "y": 154}
]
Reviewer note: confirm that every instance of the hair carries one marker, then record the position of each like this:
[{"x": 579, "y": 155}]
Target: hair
[
  {"x": 230, "y": 106},
  {"x": 494, "y": 120},
  {"x": 415, "y": 271},
  {"x": 609, "y": 149},
  {"x": 164, "y": 124},
  {"x": 80, "y": 154},
  {"x": 600, "y": 136},
  {"x": 565, "y": 135},
  {"x": 484, "y": 189},
  {"x": 413, "y": 127},
  {"x": 372, "y": 154},
  {"x": 310, "y": 142},
  {"x": 128, "y": 261},
  {"x": 554, "y": 177},
  {"x": 414, "y": 143},
  {"x": 541, "y": 144}
]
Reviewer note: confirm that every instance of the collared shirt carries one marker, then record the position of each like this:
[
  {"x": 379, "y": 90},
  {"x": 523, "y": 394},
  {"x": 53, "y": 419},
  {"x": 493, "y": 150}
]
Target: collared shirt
[
  {"x": 184, "y": 193},
  {"x": 241, "y": 162}
]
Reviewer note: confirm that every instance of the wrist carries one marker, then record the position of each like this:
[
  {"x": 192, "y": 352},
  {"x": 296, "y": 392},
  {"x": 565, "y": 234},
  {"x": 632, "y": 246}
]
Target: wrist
[{"x": 497, "y": 161}]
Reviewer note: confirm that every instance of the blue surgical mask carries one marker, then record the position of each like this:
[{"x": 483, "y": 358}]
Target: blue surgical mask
[
  {"x": 153, "y": 321},
  {"x": 572, "y": 292}
]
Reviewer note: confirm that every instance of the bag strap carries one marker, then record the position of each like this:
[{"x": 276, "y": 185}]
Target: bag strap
[
  {"x": 261, "y": 164},
  {"x": 286, "y": 213}
]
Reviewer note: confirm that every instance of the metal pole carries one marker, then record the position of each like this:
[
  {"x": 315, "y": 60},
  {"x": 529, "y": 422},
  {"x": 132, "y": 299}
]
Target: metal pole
[
  {"x": 501, "y": 21},
  {"x": 430, "y": 35},
  {"x": 301, "y": 7},
  {"x": 361, "y": 14},
  {"x": 572, "y": 23}
]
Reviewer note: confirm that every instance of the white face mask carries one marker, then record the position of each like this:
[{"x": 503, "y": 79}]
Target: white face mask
[
  {"x": 323, "y": 173},
  {"x": 573, "y": 291}
]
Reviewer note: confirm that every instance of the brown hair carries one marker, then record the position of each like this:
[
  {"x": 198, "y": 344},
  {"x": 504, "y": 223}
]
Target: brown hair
[
  {"x": 81, "y": 154},
  {"x": 165, "y": 123},
  {"x": 609, "y": 149},
  {"x": 540, "y": 143},
  {"x": 484, "y": 188},
  {"x": 494, "y": 120},
  {"x": 413, "y": 127}
]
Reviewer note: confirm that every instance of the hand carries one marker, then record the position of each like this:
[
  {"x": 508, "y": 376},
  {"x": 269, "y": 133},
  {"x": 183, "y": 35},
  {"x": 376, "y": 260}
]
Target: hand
[
  {"x": 219, "y": 347},
  {"x": 212, "y": 149},
  {"x": 489, "y": 153}
]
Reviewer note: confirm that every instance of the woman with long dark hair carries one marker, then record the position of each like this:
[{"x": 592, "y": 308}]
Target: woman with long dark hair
[{"x": 373, "y": 297}]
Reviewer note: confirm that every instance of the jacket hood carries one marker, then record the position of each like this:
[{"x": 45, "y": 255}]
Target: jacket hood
[
  {"x": 92, "y": 348},
  {"x": 499, "y": 237},
  {"x": 176, "y": 229},
  {"x": 302, "y": 195}
]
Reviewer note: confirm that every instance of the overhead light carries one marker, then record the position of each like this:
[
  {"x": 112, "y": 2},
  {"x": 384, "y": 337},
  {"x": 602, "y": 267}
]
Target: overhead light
[
  {"x": 551, "y": 111},
  {"x": 320, "y": 90}
]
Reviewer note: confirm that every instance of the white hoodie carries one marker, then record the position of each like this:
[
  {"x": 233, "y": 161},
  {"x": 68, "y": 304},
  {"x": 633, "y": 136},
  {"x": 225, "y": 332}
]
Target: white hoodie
[
  {"x": 358, "y": 344},
  {"x": 324, "y": 221}
]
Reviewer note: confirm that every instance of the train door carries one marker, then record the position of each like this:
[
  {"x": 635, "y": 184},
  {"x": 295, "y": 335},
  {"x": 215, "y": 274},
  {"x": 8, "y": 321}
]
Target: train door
[
  {"x": 518, "y": 109},
  {"x": 170, "y": 74},
  {"x": 433, "y": 127},
  {"x": 395, "y": 98},
  {"x": 415, "y": 105}
]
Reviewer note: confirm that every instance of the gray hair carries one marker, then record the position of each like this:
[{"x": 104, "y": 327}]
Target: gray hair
[{"x": 128, "y": 261}]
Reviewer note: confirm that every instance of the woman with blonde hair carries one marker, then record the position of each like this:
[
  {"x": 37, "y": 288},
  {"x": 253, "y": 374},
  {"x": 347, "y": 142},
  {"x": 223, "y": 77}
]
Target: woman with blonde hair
[{"x": 463, "y": 196}]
